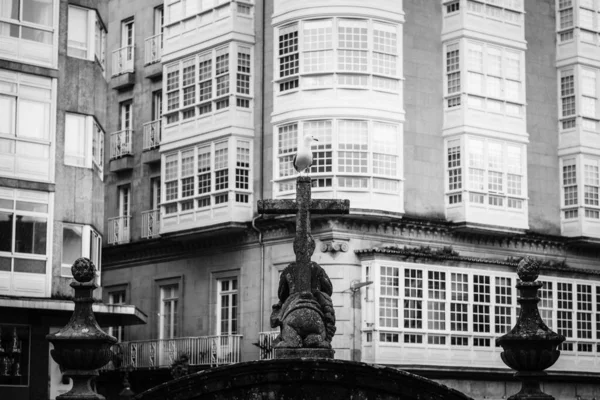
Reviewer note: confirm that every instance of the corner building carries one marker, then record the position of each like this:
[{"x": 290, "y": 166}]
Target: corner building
[{"x": 448, "y": 125}]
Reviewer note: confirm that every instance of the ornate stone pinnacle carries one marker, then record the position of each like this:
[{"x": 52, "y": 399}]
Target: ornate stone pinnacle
[
  {"x": 529, "y": 269},
  {"x": 83, "y": 270}
]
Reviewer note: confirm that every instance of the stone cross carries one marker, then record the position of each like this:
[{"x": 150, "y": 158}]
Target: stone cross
[{"x": 303, "y": 206}]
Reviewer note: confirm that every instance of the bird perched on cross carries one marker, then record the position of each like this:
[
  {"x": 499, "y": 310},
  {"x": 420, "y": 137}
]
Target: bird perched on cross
[{"x": 304, "y": 158}]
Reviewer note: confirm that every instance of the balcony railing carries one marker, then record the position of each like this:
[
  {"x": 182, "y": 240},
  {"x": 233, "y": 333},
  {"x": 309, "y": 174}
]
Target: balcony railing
[
  {"x": 120, "y": 143},
  {"x": 150, "y": 223},
  {"x": 118, "y": 230},
  {"x": 154, "y": 45},
  {"x": 152, "y": 134},
  {"x": 265, "y": 343},
  {"x": 161, "y": 353},
  {"x": 122, "y": 60}
]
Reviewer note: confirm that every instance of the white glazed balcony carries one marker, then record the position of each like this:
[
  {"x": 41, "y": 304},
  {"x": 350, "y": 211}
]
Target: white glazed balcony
[
  {"x": 118, "y": 230},
  {"x": 120, "y": 143},
  {"x": 161, "y": 353},
  {"x": 153, "y": 49},
  {"x": 122, "y": 60},
  {"x": 152, "y": 134},
  {"x": 150, "y": 224}
]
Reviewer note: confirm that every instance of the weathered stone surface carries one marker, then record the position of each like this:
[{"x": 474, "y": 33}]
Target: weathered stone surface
[
  {"x": 303, "y": 353},
  {"x": 305, "y": 311},
  {"x": 301, "y": 379}
]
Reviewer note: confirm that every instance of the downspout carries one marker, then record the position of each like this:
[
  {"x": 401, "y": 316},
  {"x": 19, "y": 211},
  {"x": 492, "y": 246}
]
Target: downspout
[
  {"x": 261, "y": 168},
  {"x": 262, "y": 271}
]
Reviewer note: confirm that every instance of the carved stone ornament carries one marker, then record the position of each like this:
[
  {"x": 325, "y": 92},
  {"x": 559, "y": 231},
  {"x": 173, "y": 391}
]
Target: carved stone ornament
[
  {"x": 530, "y": 347},
  {"x": 81, "y": 347},
  {"x": 334, "y": 247}
]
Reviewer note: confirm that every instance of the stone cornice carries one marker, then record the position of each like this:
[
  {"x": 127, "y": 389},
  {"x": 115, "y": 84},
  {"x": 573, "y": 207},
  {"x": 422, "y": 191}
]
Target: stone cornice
[{"x": 414, "y": 230}]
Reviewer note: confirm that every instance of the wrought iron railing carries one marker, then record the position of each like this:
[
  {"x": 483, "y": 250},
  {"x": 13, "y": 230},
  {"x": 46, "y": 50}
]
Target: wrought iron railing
[
  {"x": 120, "y": 143},
  {"x": 152, "y": 134},
  {"x": 153, "y": 49},
  {"x": 161, "y": 353},
  {"x": 118, "y": 230},
  {"x": 265, "y": 343},
  {"x": 122, "y": 60},
  {"x": 150, "y": 224}
]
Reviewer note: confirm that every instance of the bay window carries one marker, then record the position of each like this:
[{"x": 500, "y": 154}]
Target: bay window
[
  {"x": 494, "y": 171},
  {"x": 466, "y": 307},
  {"x": 206, "y": 175},
  {"x": 581, "y": 187},
  {"x": 84, "y": 142},
  {"x": 80, "y": 241},
  {"x": 494, "y": 78},
  {"x": 30, "y": 27},
  {"x": 349, "y": 154},
  {"x": 24, "y": 232},
  {"x": 25, "y": 141},
  {"x": 337, "y": 52},
  {"x": 203, "y": 84},
  {"x": 86, "y": 35}
]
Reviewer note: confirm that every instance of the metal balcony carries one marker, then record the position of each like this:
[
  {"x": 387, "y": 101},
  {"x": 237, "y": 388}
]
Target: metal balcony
[
  {"x": 150, "y": 224},
  {"x": 153, "y": 49},
  {"x": 118, "y": 230},
  {"x": 120, "y": 143},
  {"x": 152, "y": 134},
  {"x": 122, "y": 60},
  {"x": 161, "y": 353}
]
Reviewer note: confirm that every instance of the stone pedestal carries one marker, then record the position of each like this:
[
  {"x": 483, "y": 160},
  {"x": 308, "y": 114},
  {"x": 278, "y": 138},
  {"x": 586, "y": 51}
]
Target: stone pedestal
[{"x": 287, "y": 353}]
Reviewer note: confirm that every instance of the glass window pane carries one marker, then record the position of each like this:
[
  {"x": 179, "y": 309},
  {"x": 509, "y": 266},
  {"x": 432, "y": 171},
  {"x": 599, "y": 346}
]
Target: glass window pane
[
  {"x": 34, "y": 127},
  {"x": 72, "y": 243},
  {"x": 37, "y": 35},
  {"x": 30, "y": 266},
  {"x": 5, "y": 264},
  {"x": 35, "y": 207},
  {"x": 9, "y": 9},
  {"x": 33, "y": 149},
  {"x": 75, "y": 139},
  {"x": 6, "y": 231},
  {"x": 11, "y": 30},
  {"x": 30, "y": 235},
  {"x": 7, "y": 110},
  {"x": 77, "y": 32},
  {"x": 38, "y": 11}
]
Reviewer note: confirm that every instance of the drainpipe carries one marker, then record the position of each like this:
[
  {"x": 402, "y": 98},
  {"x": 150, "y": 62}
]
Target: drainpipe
[{"x": 262, "y": 270}]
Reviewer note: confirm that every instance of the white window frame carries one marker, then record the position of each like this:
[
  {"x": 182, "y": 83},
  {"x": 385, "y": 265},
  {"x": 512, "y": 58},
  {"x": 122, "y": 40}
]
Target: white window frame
[
  {"x": 117, "y": 297},
  {"x": 284, "y": 173},
  {"x": 91, "y": 245},
  {"x": 216, "y": 197},
  {"x": 168, "y": 299},
  {"x": 223, "y": 94},
  {"x": 92, "y": 144},
  {"x": 95, "y": 46},
  {"x": 332, "y": 75},
  {"x": 233, "y": 307}
]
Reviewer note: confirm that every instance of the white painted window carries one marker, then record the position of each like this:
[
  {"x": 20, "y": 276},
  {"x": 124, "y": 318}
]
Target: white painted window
[
  {"x": 569, "y": 184},
  {"x": 509, "y": 11},
  {"x": 80, "y": 241},
  {"x": 117, "y": 297},
  {"x": 25, "y": 142},
  {"x": 86, "y": 37},
  {"x": 25, "y": 234},
  {"x": 453, "y": 306},
  {"x": 342, "y": 52},
  {"x": 84, "y": 142},
  {"x": 209, "y": 175},
  {"x": 495, "y": 173},
  {"x": 350, "y": 153},
  {"x": 203, "y": 84},
  {"x": 228, "y": 313},
  {"x": 495, "y": 79},
  {"x": 128, "y": 37},
  {"x": 453, "y": 74},
  {"x": 581, "y": 187},
  {"x": 168, "y": 314},
  {"x": 155, "y": 188}
]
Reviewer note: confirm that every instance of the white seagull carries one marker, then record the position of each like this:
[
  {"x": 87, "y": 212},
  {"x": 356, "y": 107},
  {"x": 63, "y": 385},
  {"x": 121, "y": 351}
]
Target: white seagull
[{"x": 304, "y": 158}]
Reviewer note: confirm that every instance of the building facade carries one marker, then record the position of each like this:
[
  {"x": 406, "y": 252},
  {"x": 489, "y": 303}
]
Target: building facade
[
  {"x": 53, "y": 97},
  {"x": 464, "y": 133}
]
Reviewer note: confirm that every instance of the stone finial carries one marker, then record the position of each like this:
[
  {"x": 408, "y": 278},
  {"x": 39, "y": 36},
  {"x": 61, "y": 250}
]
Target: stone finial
[
  {"x": 528, "y": 269},
  {"x": 83, "y": 270}
]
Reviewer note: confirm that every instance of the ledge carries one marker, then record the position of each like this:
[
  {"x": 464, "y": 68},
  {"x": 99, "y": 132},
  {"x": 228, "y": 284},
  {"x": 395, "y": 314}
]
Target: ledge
[
  {"x": 24, "y": 184},
  {"x": 153, "y": 71},
  {"x": 106, "y": 314},
  {"x": 121, "y": 164},
  {"x": 472, "y": 227},
  {"x": 583, "y": 241},
  {"x": 151, "y": 156},
  {"x": 123, "y": 81}
]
